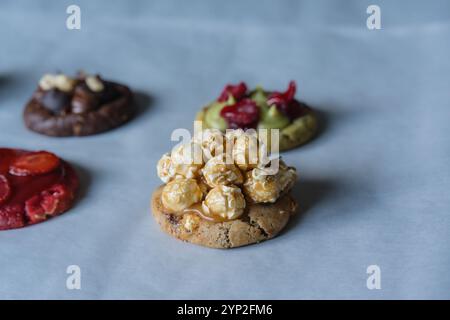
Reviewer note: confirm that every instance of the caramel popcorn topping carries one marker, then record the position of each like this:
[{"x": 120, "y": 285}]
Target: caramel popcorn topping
[{"x": 209, "y": 186}]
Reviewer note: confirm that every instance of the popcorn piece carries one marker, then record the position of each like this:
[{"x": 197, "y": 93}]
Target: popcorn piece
[
  {"x": 187, "y": 160},
  {"x": 190, "y": 221},
  {"x": 180, "y": 194},
  {"x": 247, "y": 154},
  {"x": 94, "y": 83},
  {"x": 262, "y": 189},
  {"x": 232, "y": 135},
  {"x": 225, "y": 202},
  {"x": 178, "y": 165},
  {"x": 260, "y": 186},
  {"x": 218, "y": 172},
  {"x": 212, "y": 141},
  {"x": 286, "y": 177},
  {"x": 165, "y": 169}
]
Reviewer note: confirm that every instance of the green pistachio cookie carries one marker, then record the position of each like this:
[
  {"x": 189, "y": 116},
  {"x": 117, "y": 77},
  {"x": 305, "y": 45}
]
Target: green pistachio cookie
[{"x": 259, "y": 109}]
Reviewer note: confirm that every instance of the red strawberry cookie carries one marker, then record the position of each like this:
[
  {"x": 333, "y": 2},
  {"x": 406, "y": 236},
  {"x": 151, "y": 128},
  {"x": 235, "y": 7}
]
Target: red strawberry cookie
[{"x": 34, "y": 186}]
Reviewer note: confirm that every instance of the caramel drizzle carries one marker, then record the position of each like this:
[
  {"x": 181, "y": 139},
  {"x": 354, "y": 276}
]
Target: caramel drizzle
[{"x": 198, "y": 210}]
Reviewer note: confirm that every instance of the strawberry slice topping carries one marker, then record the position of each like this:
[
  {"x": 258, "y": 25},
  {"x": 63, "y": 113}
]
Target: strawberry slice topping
[
  {"x": 286, "y": 103},
  {"x": 34, "y": 163},
  {"x": 5, "y": 189},
  {"x": 243, "y": 114},
  {"x": 238, "y": 92}
]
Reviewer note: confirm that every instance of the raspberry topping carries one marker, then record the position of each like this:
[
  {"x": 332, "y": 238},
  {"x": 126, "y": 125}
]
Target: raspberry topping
[
  {"x": 45, "y": 204},
  {"x": 5, "y": 189},
  {"x": 11, "y": 217},
  {"x": 238, "y": 92},
  {"x": 243, "y": 114},
  {"x": 286, "y": 103},
  {"x": 34, "y": 163}
]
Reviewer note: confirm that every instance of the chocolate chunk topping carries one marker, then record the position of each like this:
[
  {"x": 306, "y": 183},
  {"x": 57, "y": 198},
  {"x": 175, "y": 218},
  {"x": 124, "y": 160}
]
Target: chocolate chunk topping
[
  {"x": 54, "y": 100},
  {"x": 109, "y": 93},
  {"x": 84, "y": 100}
]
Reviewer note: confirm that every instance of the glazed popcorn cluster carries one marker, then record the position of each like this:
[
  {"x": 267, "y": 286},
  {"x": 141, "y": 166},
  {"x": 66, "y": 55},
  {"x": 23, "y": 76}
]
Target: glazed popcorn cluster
[{"x": 222, "y": 172}]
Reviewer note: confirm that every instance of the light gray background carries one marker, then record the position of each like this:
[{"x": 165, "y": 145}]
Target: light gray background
[{"x": 374, "y": 185}]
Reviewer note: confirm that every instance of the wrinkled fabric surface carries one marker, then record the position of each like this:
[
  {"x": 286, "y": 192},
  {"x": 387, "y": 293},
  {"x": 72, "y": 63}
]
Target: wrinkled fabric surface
[{"x": 374, "y": 185}]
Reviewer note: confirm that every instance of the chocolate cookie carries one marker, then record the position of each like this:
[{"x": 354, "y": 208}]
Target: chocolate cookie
[
  {"x": 86, "y": 105},
  {"x": 223, "y": 194},
  {"x": 260, "y": 222}
]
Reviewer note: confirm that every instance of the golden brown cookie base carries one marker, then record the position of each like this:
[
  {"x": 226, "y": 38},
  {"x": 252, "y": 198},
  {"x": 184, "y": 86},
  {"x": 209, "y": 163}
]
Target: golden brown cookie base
[
  {"x": 260, "y": 222},
  {"x": 290, "y": 137}
]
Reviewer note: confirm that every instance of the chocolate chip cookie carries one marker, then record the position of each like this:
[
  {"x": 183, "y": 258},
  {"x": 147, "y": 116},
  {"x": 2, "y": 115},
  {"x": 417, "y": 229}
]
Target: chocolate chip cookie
[
  {"x": 222, "y": 192},
  {"x": 259, "y": 222}
]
